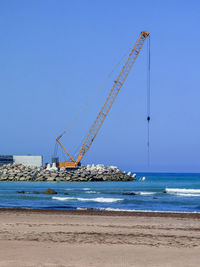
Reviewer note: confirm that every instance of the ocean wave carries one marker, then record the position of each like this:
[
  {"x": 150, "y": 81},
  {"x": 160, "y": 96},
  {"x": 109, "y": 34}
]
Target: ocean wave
[
  {"x": 147, "y": 211},
  {"x": 92, "y": 192},
  {"x": 64, "y": 198},
  {"x": 187, "y": 195},
  {"x": 182, "y": 190},
  {"x": 98, "y": 199},
  {"x": 115, "y": 209}
]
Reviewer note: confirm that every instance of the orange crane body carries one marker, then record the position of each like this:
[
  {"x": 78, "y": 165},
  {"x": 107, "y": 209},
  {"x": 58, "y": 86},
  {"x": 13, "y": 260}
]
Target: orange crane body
[{"x": 107, "y": 105}]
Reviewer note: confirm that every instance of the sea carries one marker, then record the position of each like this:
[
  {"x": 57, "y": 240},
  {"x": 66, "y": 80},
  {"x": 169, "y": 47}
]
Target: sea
[{"x": 159, "y": 192}]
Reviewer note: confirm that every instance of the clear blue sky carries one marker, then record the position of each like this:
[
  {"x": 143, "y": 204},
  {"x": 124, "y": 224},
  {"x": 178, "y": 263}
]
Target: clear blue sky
[{"x": 54, "y": 55}]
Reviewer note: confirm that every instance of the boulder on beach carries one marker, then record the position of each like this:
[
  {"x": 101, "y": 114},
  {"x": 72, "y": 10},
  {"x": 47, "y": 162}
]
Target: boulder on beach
[{"x": 50, "y": 192}]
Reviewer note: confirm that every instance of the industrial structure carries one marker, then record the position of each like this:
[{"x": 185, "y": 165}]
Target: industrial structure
[
  {"x": 107, "y": 105},
  {"x": 26, "y": 160}
]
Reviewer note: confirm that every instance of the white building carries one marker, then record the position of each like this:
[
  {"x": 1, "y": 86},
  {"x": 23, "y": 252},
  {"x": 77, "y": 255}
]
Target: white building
[{"x": 34, "y": 161}]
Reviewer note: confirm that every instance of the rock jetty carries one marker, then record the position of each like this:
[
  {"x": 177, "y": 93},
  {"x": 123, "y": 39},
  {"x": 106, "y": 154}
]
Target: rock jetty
[{"x": 19, "y": 172}]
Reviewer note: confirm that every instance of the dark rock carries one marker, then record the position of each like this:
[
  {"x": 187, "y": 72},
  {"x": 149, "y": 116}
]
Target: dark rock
[
  {"x": 50, "y": 192},
  {"x": 21, "y": 192}
]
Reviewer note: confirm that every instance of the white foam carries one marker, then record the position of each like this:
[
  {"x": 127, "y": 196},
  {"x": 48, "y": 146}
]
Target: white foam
[
  {"x": 112, "y": 209},
  {"x": 86, "y": 189},
  {"x": 98, "y": 199},
  {"x": 188, "y": 195},
  {"x": 182, "y": 190},
  {"x": 91, "y": 192},
  {"x": 101, "y": 199},
  {"x": 147, "y": 211},
  {"x": 63, "y": 198}
]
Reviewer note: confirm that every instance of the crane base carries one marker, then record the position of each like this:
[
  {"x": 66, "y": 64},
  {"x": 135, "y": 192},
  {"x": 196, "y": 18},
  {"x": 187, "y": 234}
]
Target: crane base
[{"x": 67, "y": 164}]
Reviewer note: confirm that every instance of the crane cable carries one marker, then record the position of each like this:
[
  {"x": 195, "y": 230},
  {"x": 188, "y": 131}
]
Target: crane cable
[
  {"x": 99, "y": 88},
  {"x": 148, "y": 100},
  {"x": 90, "y": 99}
]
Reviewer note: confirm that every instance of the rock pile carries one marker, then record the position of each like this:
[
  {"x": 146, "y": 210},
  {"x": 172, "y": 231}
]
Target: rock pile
[{"x": 16, "y": 172}]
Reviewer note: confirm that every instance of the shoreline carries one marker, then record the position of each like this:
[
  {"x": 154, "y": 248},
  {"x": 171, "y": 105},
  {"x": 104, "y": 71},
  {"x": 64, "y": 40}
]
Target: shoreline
[{"x": 194, "y": 215}]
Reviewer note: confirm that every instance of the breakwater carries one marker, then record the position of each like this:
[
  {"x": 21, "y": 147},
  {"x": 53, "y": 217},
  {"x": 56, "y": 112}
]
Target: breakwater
[{"x": 19, "y": 172}]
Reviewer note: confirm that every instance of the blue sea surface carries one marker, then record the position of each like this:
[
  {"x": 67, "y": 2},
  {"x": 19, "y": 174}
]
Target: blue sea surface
[{"x": 159, "y": 192}]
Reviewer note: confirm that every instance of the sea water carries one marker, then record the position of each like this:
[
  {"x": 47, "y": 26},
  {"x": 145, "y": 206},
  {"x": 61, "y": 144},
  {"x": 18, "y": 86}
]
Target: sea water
[{"x": 159, "y": 192}]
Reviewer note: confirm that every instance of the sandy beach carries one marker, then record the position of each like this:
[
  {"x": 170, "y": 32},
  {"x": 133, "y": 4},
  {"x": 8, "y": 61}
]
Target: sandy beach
[{"x": 88, "y": 238}]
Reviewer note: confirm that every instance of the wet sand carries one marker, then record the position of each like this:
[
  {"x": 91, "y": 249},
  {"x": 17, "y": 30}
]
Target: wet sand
[{"x": 89, "y": 238}]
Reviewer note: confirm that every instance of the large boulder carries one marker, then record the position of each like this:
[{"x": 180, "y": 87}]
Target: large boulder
[
  {"x": 21, "y": 192},
  {"x": 50, "y": 192}
]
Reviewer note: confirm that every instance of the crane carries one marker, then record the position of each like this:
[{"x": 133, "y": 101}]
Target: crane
[{"x": 107, "y": 105}]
